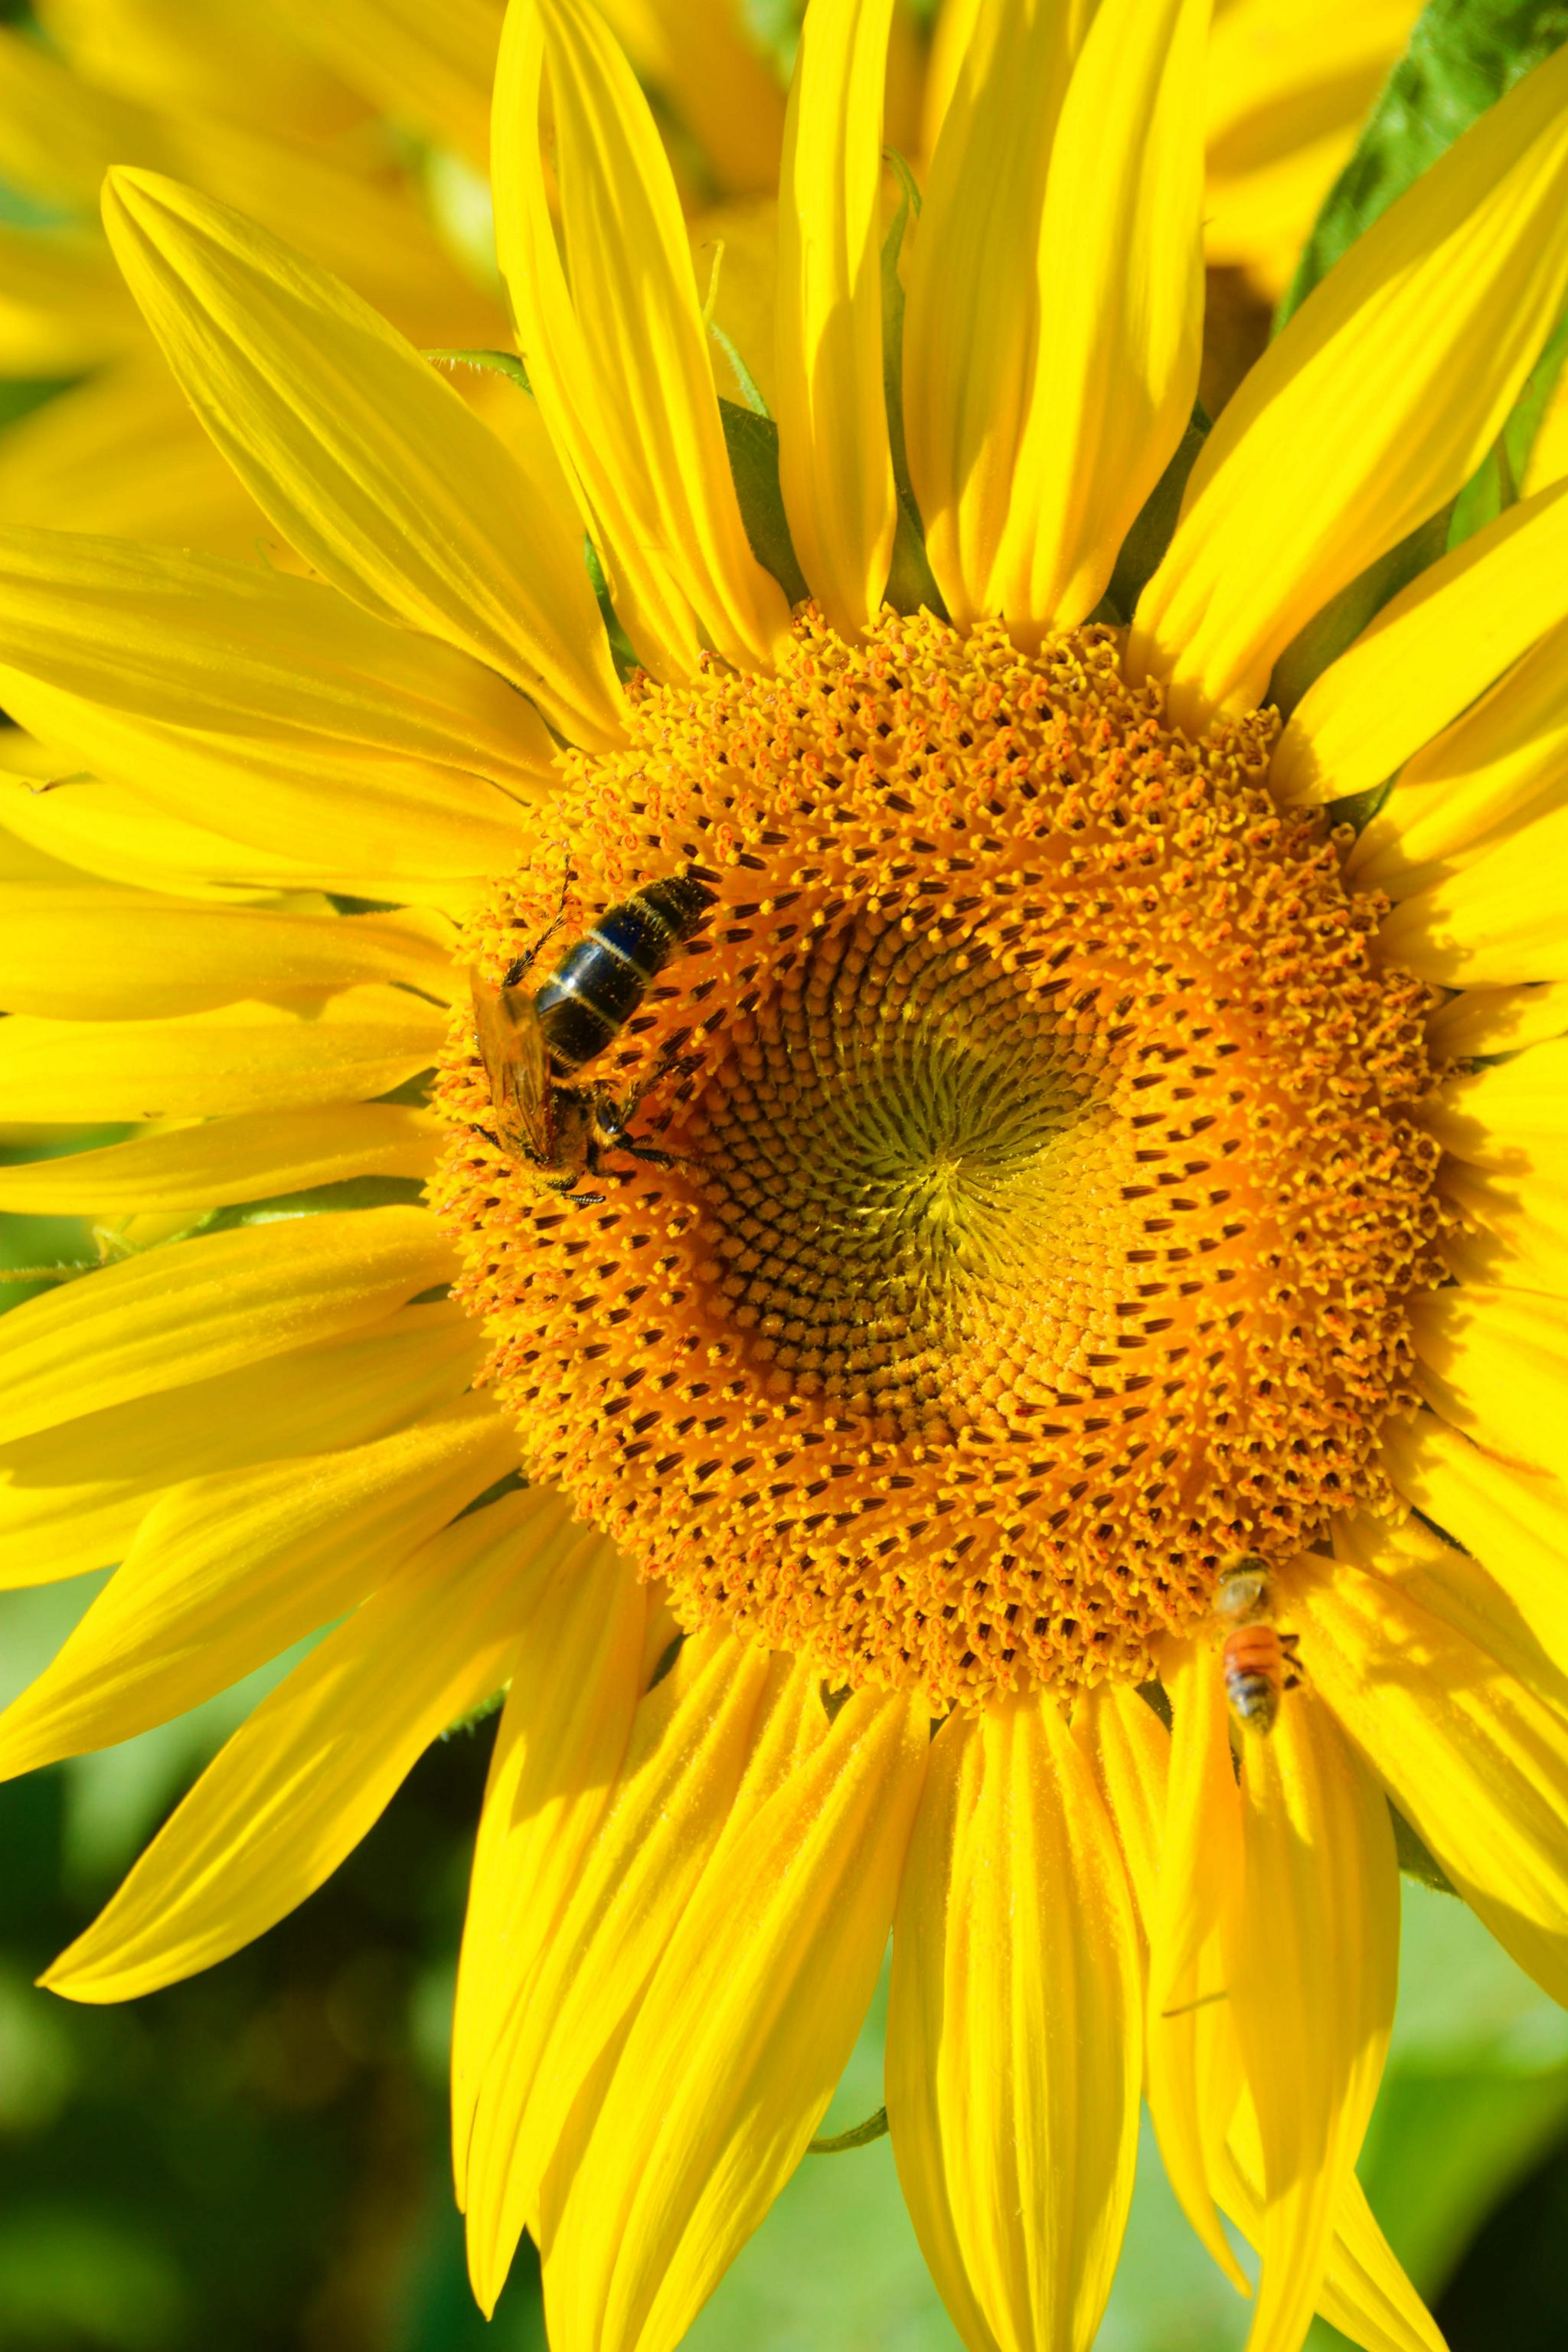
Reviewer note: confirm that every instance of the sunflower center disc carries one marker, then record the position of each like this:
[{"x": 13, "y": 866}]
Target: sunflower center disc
[{"x": 1044, "y": 1194}]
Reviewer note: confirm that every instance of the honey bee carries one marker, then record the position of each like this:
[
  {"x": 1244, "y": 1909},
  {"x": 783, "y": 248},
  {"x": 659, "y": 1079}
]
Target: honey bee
[
  {"x": 1258, "y": 1662},
  {"x": 532, "y": 1042}
]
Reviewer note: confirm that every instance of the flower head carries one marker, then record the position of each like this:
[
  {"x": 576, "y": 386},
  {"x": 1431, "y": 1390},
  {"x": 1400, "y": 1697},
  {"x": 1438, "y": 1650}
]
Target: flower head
[{"x": 1021, "y": 1215}]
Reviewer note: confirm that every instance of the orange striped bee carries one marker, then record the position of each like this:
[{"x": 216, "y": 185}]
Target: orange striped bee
[{"x": 1258, "y": 1662}]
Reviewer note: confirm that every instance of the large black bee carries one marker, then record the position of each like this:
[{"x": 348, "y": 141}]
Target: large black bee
[{"x": 532, "y": 1042}]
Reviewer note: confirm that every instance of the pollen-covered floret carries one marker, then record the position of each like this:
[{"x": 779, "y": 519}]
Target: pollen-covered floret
[{"x": 1044, "y": 1191}]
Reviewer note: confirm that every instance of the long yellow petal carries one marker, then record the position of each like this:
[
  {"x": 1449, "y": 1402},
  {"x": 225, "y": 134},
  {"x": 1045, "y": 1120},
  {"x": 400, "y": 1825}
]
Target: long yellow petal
[
  {"x": 1495, "y": 1363},
  {"x": 1415, "y": 345},
  {"x": 252, "y": 1159},
  {"x": 1511, "y": 1230},
  {"x": 746, "y": 2029},
  {"x": 1129, "y": 1751},
  {"x": 242, "y": 1057},
  {"x": 1429, "y": 653},
  {"x": 691, "y": 1743},
  {"x": 1514, "y": 1115},
  {"x": 307, "y": 1774},
  {"x": 1014, "y": 2031},
  {"x": 1498, "y": 1020},
  {"x": 1497, "y": 917},
  {"x": 227, "y": 1571},
  {"x": 1311, "y": 1949},
  {"x": 561, "y": 1745},
  {"x": 266, "y": 706},
  {"x": 835, "y": 467},
  {"x": 1200, "y": 1867},
  {"x": 1470, "y": 1754},
  {"x": 1120, "y": 286},
  {"x": 203, "y": 1306},
  {"x": 972, "y": 326},
  {"x": 1514, "y": 1521},
  {"x": 80, "y": 955},
  {"x": 1496, "y": 768},
  {"x": 1364, "y": 2291},
  {"x": 362, "y": 456},
  {"x": 618, "y": 359}
]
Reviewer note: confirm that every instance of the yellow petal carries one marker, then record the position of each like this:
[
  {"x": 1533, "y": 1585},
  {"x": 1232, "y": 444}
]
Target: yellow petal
[
  {"x": 226, "y": 58},
  {"x": 618, "y": 359},
  {"x": 1311, "y": 1948},
  {"x": 304, "y": 1778},
  {"x": 242, "y": 1057},
  {"x": 62, "y": 307},
  {"x": 1499, "y": 917},
  {"x": 1200, "y": 1864},
  {"x": 428, "y": 67},
  {"x": 266, "y": 706},
  {"x": 203, "y": 1306},
  {"x": 561, "y": 1742},
  {"x": 746, "y": 2029},
  {"x": 1014, "y": 2032},
  {"x": 972, "y": 325},
  {"x": 1415, "y": 345},
  {"x": 1364, "y": 2291},
  {"x": 1514, "y": 1521},
  {"x": 80, "y": 955},
  {"x": 362, "y": 456},
  {"x": 697, "y": 53},
  {"x": 1495, "y": 1363},
  {"x": 1129, "y": 1751},
  {"x": 73, "y": 1497},
  {"x": 1514, "y": 1115},
  {"x": 835, "y": 467},
  {"x": 1121, "y": 281},
  {"x": 570, "y": 1987},
  {"x": 1438, "y": 644},
  {"x": 227, "y": 1572},
  {"x": 1470, "y": 1754},
  {"x": 242, "y": 1158},
  {"x": 1498, "y": 1020},
  {"x": 58, "y": 135},
  {"x": 1511, "y": 1230}
]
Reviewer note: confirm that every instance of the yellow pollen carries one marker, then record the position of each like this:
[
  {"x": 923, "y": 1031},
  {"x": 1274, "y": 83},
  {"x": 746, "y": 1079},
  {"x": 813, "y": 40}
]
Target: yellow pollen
[{"x": 1044, "y": 1196}]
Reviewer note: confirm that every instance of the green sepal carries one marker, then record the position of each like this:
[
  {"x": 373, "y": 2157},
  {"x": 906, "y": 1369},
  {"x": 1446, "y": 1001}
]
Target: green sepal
[
  {"x": 1495, "y": 485},
  {"x": 477, "y": 1715},
  {"x": 752, "y": 443},
  {"x": 1462, "y": 55},
  {"x": 1144, "y": 549},
  {"x": 857, "y": 2136},
  {"x": 1342, "y": 620},
  {"x": 1416, "y": 1859},
  {"x": 911, "y": 587},
  {"x": 317, "y": 1200},
  {"x": 623, "y": 653},
  {"x": 505, "y": 363}
]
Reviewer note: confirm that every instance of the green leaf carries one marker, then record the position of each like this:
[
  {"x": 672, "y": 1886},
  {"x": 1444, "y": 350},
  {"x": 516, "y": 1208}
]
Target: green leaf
[
  {"x": 1143, "y": 548},
  {"x": 1462, "y": 55},
  {"x": 752, "y": 443}
]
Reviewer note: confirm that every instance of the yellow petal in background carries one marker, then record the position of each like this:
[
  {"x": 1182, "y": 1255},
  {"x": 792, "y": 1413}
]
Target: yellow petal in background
[
  {"x": 226, "y": 58},
  {"x": 1495, "y": 1363},
  {"x": 82, "y": 955},
  {"x": 1470, "y": 1754},
  {"x": 972, "y": 327},
  {"x": 362, "y": 456},
  {"x": 836, "y": 467},
  {"x": 305, "y": 1776},
  {"x": 428, "y": 67},
  {"x": 1121, "y": 289},
  {"x": 1431, "y": 650},
  {"x": 58, "y": 135},
  {"x": 1014, "y": 2031},
  {"x": 697, "y": 54},
  {"x": 746, "y": 2029},
  {"x": 1415, "y": 345},
  {"x": 1498, "y": 769},
  {"x": 561, "y": 1741},
  {"x": 1311, "y": 1947},
  {"x": 244, "y": 1159},
  {"x": 227, "y": 1572},
  {"x": 568, "y": 2009},
  {"x": 62, "y": 306},
  {"x": 242, "y": 1057},
  {"x": 203, "y": 1306}
]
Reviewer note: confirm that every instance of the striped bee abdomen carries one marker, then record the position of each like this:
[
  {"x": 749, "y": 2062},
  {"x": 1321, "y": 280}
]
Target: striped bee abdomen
[
  {"x": 601, "y": 980},
  {"x": 1255, "y": 1665}
]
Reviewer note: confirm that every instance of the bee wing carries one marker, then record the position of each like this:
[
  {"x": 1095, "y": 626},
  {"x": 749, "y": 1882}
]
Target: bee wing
[{"x": 512, "y": 1046}]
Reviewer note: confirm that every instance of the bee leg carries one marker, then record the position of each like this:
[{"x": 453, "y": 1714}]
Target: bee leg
[
  {"x": 475, "y": 1128},
  {"x": 522, "y": 963}
]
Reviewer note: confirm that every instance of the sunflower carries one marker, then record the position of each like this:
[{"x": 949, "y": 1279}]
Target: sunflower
[{"x": 1045, "y": 1226}]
